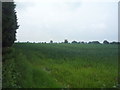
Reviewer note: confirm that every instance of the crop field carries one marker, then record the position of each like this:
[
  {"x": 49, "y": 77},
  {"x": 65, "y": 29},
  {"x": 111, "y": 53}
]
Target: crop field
[{"x": 66, "y": 65}]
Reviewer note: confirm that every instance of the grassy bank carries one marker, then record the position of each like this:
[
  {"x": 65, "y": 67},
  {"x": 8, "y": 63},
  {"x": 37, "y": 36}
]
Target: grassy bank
[{"x": 65, "y": 65}]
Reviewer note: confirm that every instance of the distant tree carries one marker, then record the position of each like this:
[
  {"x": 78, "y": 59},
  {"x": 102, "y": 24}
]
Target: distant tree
[
  {"x": 51, "y": 41},
  {"x": 115, "y": 42},
  {"x": 9, "y": 24},
  {"x": 74, "y": 42},
  {"x": 94, "y": 42},
  {"x": 105, "y": 42},
  {"x": 97, "y": 42},
  {"x": 82, "y": 42},
  {"x": 66, "y": 41},
  {"x": 89, "y": 42}
]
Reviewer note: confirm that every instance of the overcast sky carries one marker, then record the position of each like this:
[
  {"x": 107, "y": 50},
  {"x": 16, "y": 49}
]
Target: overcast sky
[{"x": 73, "y": 20}]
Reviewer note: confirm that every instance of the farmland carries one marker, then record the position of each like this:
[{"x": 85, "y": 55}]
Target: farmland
[{"x": 50, "y": 65}]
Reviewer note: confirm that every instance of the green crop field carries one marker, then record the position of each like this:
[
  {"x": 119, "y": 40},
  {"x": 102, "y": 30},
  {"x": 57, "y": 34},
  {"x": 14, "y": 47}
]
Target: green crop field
[{"x": 46, "y": 65}]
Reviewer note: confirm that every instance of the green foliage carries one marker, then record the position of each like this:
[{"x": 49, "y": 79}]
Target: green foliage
[
  {"x": 66, "y": 41},
  {"x": 105, "y": 42},
  {"x": 74, "y": 42},
  {"x": 66, "y": 65},
  {"x": 9, "y": 73},
  {"x": 9, "y": 24},
  {"x": 51, "y": 41},
  {"x": 94, "y": 42}
]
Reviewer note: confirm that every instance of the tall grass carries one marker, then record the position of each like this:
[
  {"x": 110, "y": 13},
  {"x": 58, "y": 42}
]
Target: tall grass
[{"x": 66, "y": 65}]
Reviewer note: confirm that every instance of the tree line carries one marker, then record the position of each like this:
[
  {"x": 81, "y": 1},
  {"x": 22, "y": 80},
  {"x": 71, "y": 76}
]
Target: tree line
[
  {"x": 77, "y": 42},
  {"x": 91, "y": 42}
]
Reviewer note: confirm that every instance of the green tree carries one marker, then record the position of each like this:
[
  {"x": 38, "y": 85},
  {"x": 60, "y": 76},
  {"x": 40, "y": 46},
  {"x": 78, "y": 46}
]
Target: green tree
[
  {"x": 9, "y": 24},
  {"x": 74, "y": 42},
  {"x": 51, "y": 41},
  {"x": 66, "y": 41},
  {"x": 105, "y": 42},
  {"x": 94, "y": 42}
]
